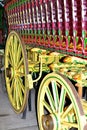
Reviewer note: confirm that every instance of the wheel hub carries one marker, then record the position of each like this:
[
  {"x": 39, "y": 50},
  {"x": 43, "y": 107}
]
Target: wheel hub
[
  {"x": 11, "y": 72},
  {"x": 50, "y": 122},
  {"x": 8, "y": 72}
]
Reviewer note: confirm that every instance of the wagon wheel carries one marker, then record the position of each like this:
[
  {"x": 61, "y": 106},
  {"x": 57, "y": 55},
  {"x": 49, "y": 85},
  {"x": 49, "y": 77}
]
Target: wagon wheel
[
  {"x": 16, "y": 69},
  {"x": 59, "y": 105}
]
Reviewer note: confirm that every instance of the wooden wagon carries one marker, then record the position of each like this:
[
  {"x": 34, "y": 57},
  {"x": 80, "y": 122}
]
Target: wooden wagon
[{"x": 47, "y": 49}]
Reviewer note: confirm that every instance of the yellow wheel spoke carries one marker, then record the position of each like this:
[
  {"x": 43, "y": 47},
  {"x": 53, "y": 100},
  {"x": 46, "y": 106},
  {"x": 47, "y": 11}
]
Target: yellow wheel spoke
[
  {"x": 21, "y": 74},
  {"x": 21, "y": 96},
  {"x": 20, "y": 93},
  {"x": 17, "y": 100},
  {"x": 11, "y": 56},
  {"x": 19, "y": 52},
  {"x": 14, "y": 94},
  {"x": 67, "y": 111},
  {"x": 12, "y": 86},
  {"x": 8, "y": 83},
  {"x": 64, "y": 128},
  {"x": 20, "y": 63},
  {"x": 10, "y": 79},
  {"x": 50, "y": 98},
  {"x": 12, "y": 44},
  {"x": 15, "y": 49},
  {"x": 47, "y": 106},
  {"x": 21, "y": 85},
  {"x": 17, "y": 96},
  {"x": 62, "y": 100},
  {"x": 15, "y": 58},
  {"x": 9, "y": 60},
  {"x": 15, "y": 42},
  {"x": 12, "y": 49},
  {"x": 69, "y": 124},
  {"x": 55, "y": 94}
]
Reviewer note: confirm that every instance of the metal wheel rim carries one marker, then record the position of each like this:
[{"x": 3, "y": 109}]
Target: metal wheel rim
[
  {"x": 15, "y": 73},
  {"x": 53, "y": 112}
]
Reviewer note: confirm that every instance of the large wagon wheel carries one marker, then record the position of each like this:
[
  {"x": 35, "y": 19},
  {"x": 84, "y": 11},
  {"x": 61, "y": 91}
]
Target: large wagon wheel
[
  {"x": 16, "y": 70},
  {"x": 58, "y": 105}
]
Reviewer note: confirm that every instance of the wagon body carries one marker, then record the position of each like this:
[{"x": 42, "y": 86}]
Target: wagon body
[
  {"x": 62, "y": 23},
  {"x": 53, "y": 34}
]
